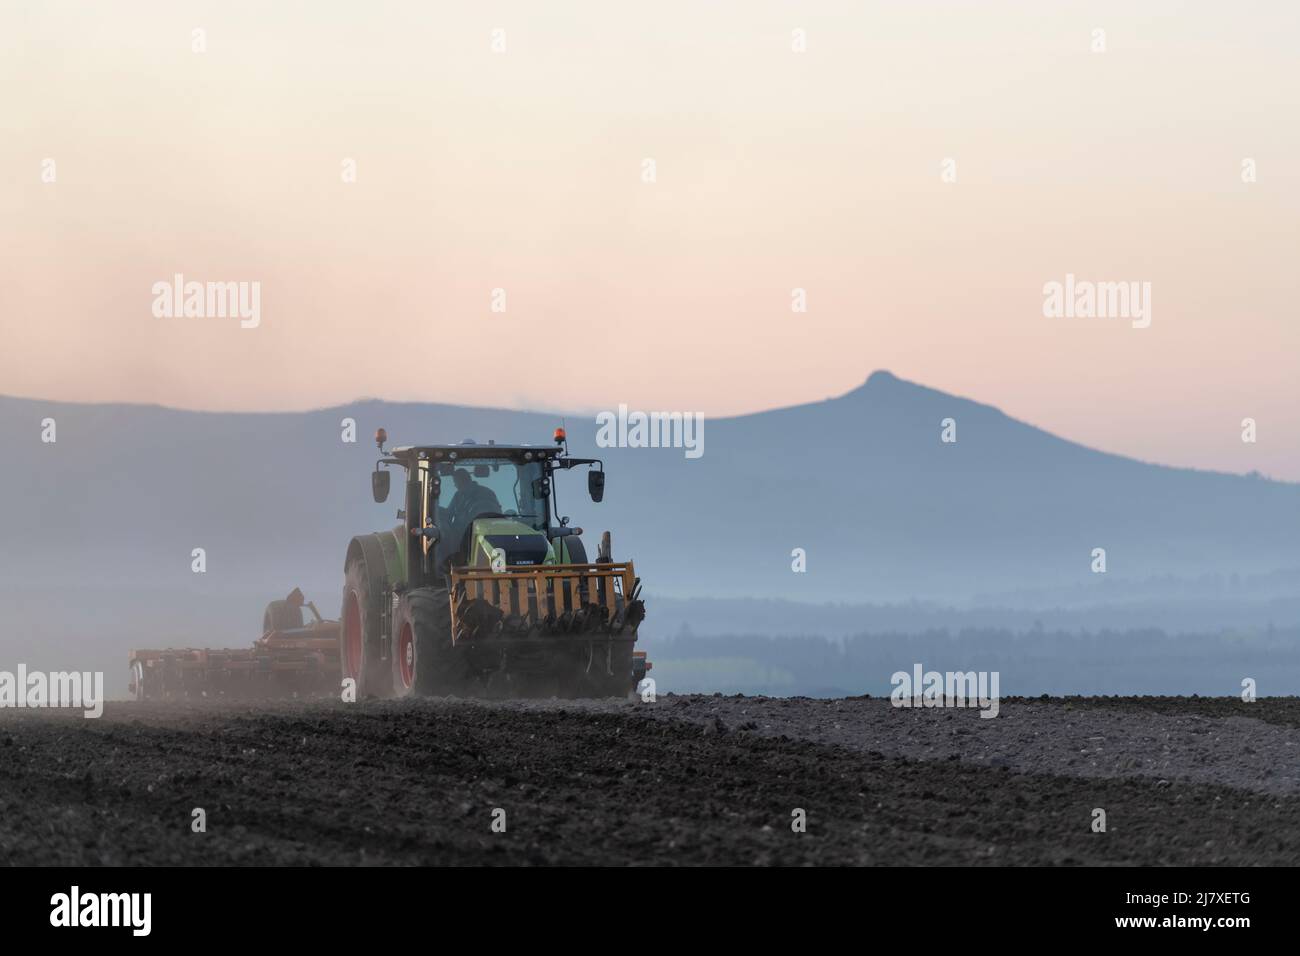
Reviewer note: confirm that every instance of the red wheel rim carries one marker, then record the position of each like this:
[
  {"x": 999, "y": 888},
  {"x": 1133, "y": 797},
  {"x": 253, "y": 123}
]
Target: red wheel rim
[
  {"x": 352, "y": 635},
  {"x": 406, "y": 655}
]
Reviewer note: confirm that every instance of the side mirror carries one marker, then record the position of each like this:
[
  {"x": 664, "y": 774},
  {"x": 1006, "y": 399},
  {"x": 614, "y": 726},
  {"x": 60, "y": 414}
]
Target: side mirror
[
  {"x": 596, "y": 485},
  {"x": 379, "y": 485}
]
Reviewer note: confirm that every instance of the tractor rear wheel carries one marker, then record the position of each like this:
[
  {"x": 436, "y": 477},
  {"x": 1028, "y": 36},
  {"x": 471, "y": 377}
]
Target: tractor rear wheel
[
  {"x": 424, "y": 662},
  {"x": 359, "y": 636}
]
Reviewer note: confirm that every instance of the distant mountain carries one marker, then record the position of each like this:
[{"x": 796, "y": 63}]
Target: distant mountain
[
  {"x": 97, "y": 529},
  {"x": 883, "y": 509}
]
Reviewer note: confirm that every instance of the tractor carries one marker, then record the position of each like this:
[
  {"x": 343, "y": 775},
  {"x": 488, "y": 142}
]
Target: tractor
[{"x": 483, "y": 589}]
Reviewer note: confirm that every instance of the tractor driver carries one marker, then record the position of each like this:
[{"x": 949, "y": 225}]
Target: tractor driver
[{"x": 470, "y": 501}]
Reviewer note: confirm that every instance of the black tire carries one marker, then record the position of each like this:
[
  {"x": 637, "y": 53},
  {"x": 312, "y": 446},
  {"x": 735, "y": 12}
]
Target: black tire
[
  {"x": 281, "y": 616},
  {"x": 576, "y": 549},
  {"x": 359, "y": 634},
  {"x": 424, "y": 662}
]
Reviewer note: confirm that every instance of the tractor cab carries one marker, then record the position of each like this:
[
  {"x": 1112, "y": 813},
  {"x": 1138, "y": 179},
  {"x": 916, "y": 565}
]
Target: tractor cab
[{"x": 484, "y": 505}]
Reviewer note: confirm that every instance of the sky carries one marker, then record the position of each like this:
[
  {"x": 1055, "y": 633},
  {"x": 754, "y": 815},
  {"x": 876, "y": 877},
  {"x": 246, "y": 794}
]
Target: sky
[{"x": 920, "y": 170}]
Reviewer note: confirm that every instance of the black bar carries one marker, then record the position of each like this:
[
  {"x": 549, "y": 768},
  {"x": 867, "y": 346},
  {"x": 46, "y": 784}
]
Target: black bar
[{"x": 1029, "y": 905}]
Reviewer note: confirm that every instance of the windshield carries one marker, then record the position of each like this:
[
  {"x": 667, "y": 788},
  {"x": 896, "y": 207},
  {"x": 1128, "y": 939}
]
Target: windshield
[{"x": 475, "y": 486}]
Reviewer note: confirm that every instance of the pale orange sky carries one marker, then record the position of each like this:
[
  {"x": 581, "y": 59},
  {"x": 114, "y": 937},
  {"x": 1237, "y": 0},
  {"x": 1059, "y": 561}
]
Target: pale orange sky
[{"x": 775, "y": 170}]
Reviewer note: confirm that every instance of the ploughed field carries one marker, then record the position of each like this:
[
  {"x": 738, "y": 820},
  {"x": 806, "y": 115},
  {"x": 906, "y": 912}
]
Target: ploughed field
[{"x": 682, "y": 780}]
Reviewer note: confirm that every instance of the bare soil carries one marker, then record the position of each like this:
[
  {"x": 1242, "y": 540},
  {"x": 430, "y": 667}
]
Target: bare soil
[{"x": 685, "y": 780}]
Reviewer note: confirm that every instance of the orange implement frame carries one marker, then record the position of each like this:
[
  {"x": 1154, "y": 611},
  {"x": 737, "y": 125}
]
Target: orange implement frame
[{"x": 554, "y": 598}]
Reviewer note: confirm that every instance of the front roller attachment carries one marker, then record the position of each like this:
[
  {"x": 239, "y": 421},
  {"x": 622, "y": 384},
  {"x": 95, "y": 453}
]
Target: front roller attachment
[
  {"x": 574, "y": 623},
  {"x": 559, "y": 600}
]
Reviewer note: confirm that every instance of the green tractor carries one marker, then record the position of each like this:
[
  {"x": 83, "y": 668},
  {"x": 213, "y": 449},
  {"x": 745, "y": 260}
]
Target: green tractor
[{"x": 483, "y": 589}]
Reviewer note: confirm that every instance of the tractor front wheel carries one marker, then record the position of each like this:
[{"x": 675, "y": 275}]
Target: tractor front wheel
[{"x": 424, "y": 662}]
